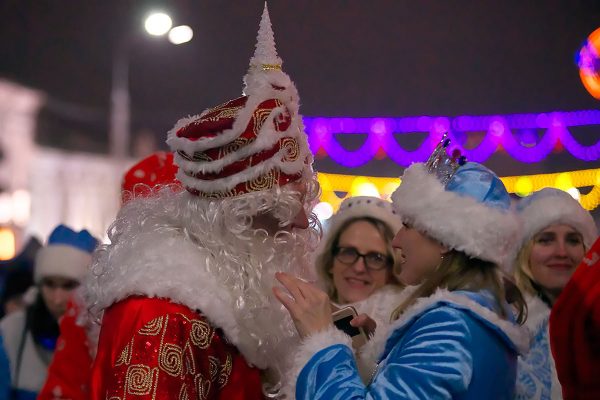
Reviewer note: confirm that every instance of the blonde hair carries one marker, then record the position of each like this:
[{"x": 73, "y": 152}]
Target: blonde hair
[
  {"x": 458, "y": 271},
  {"x": 324, "y": 261},
  {"x": 523, "y": 275}
]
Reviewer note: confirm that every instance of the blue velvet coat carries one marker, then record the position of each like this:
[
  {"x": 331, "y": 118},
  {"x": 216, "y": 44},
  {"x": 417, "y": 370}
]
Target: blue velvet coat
[{"x": 452, "y": 345}]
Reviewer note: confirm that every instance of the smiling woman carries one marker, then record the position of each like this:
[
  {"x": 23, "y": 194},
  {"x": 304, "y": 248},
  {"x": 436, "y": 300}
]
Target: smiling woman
[
  {"x": 557, "y": 233},
  {"x": 356, "y": 258}
]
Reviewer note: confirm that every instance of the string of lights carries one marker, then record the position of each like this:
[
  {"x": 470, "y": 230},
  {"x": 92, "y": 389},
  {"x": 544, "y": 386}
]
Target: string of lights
[{"x": 336, "y": 187}]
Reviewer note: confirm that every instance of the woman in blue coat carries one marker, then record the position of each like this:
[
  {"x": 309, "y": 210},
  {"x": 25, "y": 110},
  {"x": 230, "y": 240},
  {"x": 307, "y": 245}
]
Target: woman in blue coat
[
  {"x": 557, "y": 232},
  {"x": 454, "y": 336}
]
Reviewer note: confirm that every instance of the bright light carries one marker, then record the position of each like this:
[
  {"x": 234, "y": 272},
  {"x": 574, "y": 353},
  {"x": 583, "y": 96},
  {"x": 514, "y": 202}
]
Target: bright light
[
  {"x": 7, "y": 244},
  {"x": 563, "y": 181},
  {"x": 361, "y": 186},
  {"x": 21, "y": 208},
  {"x": 181, "y": 34},
  {"x": 574, "y": 192},
  {"x": 157, "y": 24},
  {"x": 323, "y": 210},
  {"x": 523, "y": 186}
]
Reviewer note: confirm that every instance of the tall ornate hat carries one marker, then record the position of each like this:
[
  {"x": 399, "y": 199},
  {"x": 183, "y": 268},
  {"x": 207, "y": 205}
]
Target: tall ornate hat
[
  {"x": 253, "y": 143},
  {"x": 461, "y": 204}
]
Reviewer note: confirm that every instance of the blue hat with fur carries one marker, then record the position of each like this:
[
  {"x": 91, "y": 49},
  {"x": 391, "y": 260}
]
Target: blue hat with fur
[
  {"x": 67, "y": 254},
  {"x": 465, "y": 206}
]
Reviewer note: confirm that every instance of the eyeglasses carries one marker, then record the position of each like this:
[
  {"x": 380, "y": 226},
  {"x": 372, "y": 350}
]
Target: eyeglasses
[{"x": 373, "y": 260}]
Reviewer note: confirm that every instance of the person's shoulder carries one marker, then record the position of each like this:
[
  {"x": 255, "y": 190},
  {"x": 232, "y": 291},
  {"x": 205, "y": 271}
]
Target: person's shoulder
[{"x": 15, "y": 318}]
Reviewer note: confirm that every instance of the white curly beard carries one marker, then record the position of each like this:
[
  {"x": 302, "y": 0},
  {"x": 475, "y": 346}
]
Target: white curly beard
[{"x": 206, "y": 255}]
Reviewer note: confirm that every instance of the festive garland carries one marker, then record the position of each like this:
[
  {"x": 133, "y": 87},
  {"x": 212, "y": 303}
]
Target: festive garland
[
  {"x": 500, "y": 133},
  {"x": 351, "y": 185}
]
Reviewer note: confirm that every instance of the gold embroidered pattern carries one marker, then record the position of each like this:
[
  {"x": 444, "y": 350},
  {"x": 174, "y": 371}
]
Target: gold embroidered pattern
[
  {"x": 270, "y": 67},
  {"x": 183, "y": 394},
  {"x": 213, "y": 367},
  {"x": 140, "y": 380},
  {"x": 198, "y": 156},
  {"x": 263, "y": 182},
  {"x": 188, "y": 359},
  {"x": 234, "y": 146},
  {"x": 202, "y": 386},
  {"x": 226, "y": 112},
  {"x": 201, "y": 333},
  {"x": 153, "y": 327},
  {"x": 218, "y": 195},
  {"x": 125, "y": 356},
  {"x": 170, "y": 359},
  {"x": 292, "y": 149},
  {"x": 260, "y": 115},
  {"x": 225, "y": 371}
]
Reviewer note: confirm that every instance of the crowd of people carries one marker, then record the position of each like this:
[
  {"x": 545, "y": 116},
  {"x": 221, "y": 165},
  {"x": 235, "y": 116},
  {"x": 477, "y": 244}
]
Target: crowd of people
[{"x": 218, "y": 282}]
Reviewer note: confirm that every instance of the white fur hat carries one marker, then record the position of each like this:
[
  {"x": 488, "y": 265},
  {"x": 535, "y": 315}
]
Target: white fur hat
[
  {"x": 365, "y": 207},
  {"x": 470, "y": 212},
  {"x": 553, "y": 206},
  {"x": 67, "y": 255}
]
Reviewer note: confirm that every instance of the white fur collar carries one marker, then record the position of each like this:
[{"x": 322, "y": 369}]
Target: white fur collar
[
  {"x": 537, "y": 313},
  {"x": 150, "y": 269}
]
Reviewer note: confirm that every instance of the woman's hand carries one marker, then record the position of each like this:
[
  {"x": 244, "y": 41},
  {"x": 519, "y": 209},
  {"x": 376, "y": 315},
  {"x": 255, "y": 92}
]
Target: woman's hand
[
  {"x": 365, "y": 322},
  {"x": 308, "y": 306}
]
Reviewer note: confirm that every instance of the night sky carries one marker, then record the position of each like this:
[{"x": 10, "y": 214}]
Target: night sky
[{"x": 348, "y": 58}]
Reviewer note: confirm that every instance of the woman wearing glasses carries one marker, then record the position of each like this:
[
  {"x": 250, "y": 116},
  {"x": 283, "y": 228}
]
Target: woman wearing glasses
[
  {"x": 455, "y": 336},
  {"x": 356, "y": 258}
]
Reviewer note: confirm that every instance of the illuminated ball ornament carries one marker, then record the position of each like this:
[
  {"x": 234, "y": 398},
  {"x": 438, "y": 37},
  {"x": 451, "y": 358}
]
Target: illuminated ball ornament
[{"x": 588, "y": 61}]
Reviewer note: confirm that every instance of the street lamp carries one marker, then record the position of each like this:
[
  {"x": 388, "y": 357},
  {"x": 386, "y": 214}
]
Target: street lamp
[{"x": 156, "y": 24}]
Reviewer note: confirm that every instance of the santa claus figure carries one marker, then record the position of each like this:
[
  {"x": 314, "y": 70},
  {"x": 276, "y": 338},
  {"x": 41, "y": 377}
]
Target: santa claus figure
[
  {"x": 70, "y": 370},
  {"x": 185, "y": 285}
]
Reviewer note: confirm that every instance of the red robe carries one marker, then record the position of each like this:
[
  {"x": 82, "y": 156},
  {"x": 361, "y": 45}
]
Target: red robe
[
  {"x": 575, "y": 331},
  {"x": 151, "y": 348},
  {"x": 69, "y": 371}
]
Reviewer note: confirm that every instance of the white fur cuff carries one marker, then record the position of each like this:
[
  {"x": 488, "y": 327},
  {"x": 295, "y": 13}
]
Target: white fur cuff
[{"x": 310, "y": 346}]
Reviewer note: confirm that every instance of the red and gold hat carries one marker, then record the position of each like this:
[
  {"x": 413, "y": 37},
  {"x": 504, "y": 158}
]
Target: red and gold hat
[
  {"x": 156, "y": 169},
  {"x": 252, "y": 143}
]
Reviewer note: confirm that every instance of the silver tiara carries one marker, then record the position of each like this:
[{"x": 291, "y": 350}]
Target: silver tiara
[{"x": 441, "y": 165}]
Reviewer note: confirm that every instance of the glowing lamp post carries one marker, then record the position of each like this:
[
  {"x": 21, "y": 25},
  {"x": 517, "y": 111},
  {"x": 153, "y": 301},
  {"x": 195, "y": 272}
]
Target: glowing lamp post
[{"x": 156, "y": 24}]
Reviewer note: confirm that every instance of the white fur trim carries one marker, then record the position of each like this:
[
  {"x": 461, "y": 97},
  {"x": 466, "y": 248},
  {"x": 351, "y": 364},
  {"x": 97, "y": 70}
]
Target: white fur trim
[
  {"x": 309, "y": 346},
  {"x": 152, "y": 270},
  {"x": 366, "y": 206},
  {"x": 62, "y": 261},
  {"x": 556, "y": 209},
  {"x": 537, "y": 313},
  {"x": 266, "y": 139},
  {"x": 228, "y": 183},
  {"x": 460, "y": 222}
]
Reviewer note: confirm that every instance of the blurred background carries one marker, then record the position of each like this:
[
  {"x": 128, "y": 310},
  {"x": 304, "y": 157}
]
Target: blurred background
[{"x": 85, "y": 90}]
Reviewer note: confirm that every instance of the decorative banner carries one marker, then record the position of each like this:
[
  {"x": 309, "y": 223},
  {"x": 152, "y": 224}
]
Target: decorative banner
[
  {"x": 515, "y": 133},
  {"x": 335, "y": 187}
]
